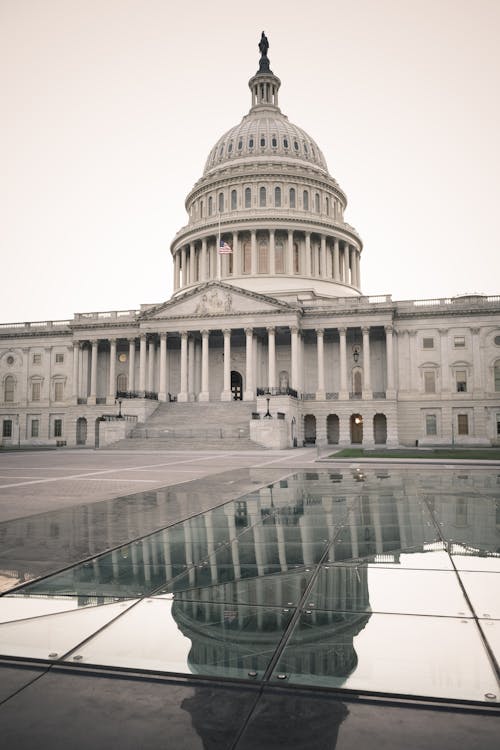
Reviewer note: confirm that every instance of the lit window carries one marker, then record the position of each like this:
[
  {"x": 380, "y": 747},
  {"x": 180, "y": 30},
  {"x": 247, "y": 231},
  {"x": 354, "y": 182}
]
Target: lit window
[
  {"x": 428, "y": 343},
  {"x": 277, "y": 197},
  {"x": 459, "y": 342},
  {"x": 35, "y": 428},
  {"x": 37, "y": 359},
  {"x": 430, "y": 381},
  {"x": 248, "y": 198},
  {"x": 233, "y": 200},
  {"x": 262, "y": 197},
  {"x": 461, "y": 376},
  {"x": 430, "y": 424},
  {"x": 7, "y": 428},
  {"x": 292, "y": 197},
  {"x": 59, "y": 359},
  {"x": 58, "y": 427},
  {"x": 35, "y": 390},
  {"x": 58, "y": 391},
  {"x": 463, "y": 424},
  {"x": 9, "y": 388},
  {"x": 305, "y": 200}
]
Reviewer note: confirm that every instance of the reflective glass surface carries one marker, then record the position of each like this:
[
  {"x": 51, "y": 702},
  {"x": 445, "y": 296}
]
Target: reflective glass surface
[{"x": 361, "y": 579}]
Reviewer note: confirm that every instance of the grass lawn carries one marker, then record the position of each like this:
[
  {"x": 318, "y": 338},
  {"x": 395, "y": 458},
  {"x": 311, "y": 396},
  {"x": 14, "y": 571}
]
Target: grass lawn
[{"x": 472, "y": 454}]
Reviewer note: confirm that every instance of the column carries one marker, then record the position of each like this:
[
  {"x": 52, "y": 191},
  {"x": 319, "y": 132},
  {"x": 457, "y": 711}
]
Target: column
[
  {"x": 183, "y": 394},
  {"x": 204, "y": 259},
  {"x": 320, "y": 393},
  {"x": 324, "y": 273},
  {"x": 308, "y": 253},
  {"x": 272, "y": 252},
  {"x": 253, "y": 246},
  {"x": 93, "y": 373},
  {"x": 354, "y": 278},
  {"x": 294, "y": 333},
  {"x": 336, "y": 260},
  {"x": 249, "y": 394},
  {"x": 76, "y": 368},
  {"x": 477, "y": 376},
  {"x": 151, "y": 365},
  {"x": 445, "y": 374},
  {"x": 177, "y": 270},
  {"x": 112, "y": 372},
  {"x": 191, "y": 385},
  {"x": 343, "y": 393},
  {"x": 390, "y": 392},
  {"x": 346, "y": 263},
  {"x": 226, "y": 394},
  {"x": 183, "y": 265},
  {"x": 271, "y": 357},
  {"x": 142, "y": 365},
  {"x": 192, "y": 263},
  {"x": 205, "y": 388},
  {"x": 163, "y": 389},
  {"x": 289, "y": 263},
  {"x": 131, "y": 364},
  {"x": 367, "y": 385}
]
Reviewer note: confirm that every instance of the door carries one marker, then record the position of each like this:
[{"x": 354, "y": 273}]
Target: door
[{"x": 236, "y": 385}]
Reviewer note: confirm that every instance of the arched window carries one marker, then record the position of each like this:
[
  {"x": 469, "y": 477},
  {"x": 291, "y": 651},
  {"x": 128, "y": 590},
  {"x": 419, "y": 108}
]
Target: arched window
[
  {"x": 279, "y": 256},
  {"x": 122, "y": 383},
  {"x": 247, "y": 257},
  {"x": 210, "y": 206},
  {"x": 9, "y": 388},
  {"x": 201, "y": 209},
  {"x": 250, "y": 142},
  {"x": 277, "y": 197},
  {"x": 305, "y": 201},
  {"x": 496, "y": 376},
  {"x": 296, "y": 145},
  {"x": 230, "y": 147},
  {"x": 292, "y": 197},
  {"x": 263, "y": 257},
  {"x": 233, "y": 200},
  {"x": 296, "y": 258},
  {"x": 357, "y": 382},
  {"x": 305, "y": 148},
  {"x": 248, "y": 198},
  {"x": 327, "y": 206},
  {"x": 316, "y": 202},
  {"x": 262, "y": 197},
  {"x": 221, "y": 202},
  {"x": 285, "y": 142},
  {"x": 240, "y": 145},
  {"x": 262, "y": 141},
  {"x": 274, "y": 142}
]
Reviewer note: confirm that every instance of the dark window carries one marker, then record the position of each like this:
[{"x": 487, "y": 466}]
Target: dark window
[
  {"x": 262, "y": 197},
  {"x": 461, "y": 381},
  {"x": 277, "y": 196},
  {"x": 285, "y": 145},
  {"x": 210, "y": 203},
  {"x": 240, "y": 145},
  {"x": 248, "y": 198},
  {"x": 230, "y": 148},
  {"x": 35, "y": 428},
  {"x": 262, "y": 141},
  {"x": 296, "y": 145},
  {"x": 292, "y": 197},
  {"x": 274, "y": 141},
  {"x": 9, "y": 388},
  {"x": 463, "y": 424},
  {"x": 7, "y": 428},
  {"x": 496, "y": 340},
  {"x": 316, "y": 202},
  {"x": 221, "y": 202},
  {"x": 428, "y": 343},
  {"x": 250, "y": 142},
  {"x": 305, "y": 148},
  {"x": 430, "y": 424},
  {"x": 305, "y": 201},
  {"x": 57, "y": 427},
  {"x": 233, "y": 199}
]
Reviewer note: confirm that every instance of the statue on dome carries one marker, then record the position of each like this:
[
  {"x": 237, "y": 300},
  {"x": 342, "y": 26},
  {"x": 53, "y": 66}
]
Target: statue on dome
[{"x": 264, "y": 60}]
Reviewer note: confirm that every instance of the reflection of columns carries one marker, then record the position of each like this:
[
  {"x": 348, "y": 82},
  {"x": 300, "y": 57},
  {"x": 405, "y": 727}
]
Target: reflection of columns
[
  {"x": 142, "y": 363},
  {"x": 271, "y": 353},
  {"x": 112, "y": 372},
  {"x": 390, "y": 362},
  {"x": 131, "y": 364},
  {"x": 336, "y": 260},
  {"x": 294, "y": 332},
  {"x": 183, "y": 395},
  {"x": 253, "y": 250},
  {"x": 204, "y": 259},
  {"x": 343, "y": 393},
  {"x": 76, "y": 367},
  {"x": 205, "y": 388},
  {"x": 367, "y": 385},
  {"x": 320, "y": 393},
  {"x": 346, "y": 263},
  {"x": 93, "y": 373},
  {"x": 272, "y": 252},
  {"x": 249, "y": 394},
  {"x": 226, "y": 394},
  {"x": 191, "y": 386},
  {"x": 151, "y": 365},
  {"x": 308, "y": 253},
  {"x": 163, "y": 388},
  {"x": 323, "y": 256},
  {"x": 289, "y": 264},
  {"x": 177, "y": 271}
]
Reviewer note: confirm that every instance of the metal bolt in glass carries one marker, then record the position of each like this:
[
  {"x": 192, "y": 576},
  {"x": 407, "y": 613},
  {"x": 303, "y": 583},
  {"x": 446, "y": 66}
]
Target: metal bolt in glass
[
  {"x": 252, "y": 674},
  {"x": 52, "y": 656},
  {"x": 78, "y": 657},
  {"x": 281, "y": 676},
  {"x": 490, "y": 696}
]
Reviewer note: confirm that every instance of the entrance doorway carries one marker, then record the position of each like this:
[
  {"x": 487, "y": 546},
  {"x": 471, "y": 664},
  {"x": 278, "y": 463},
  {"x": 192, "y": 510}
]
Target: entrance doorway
[
  {"x": 380, "y": 428},
  {"x": 332, "y": 429},
  {"x": 236, "y": 385},
  {"x": 356, "y": 428},
  {"x": 81, "y": 431},
  {"x": 310, "y": 429}
]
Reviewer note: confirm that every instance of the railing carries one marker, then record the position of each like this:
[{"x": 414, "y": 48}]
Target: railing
[
  {"x": 37, "y": 324},
  {"x": 106, "y": 315},
  {"x": 152, "y": 395},
  {"x": 355, "y": 396},
  {"x": 285, "y": 391},
  {"x": 81, "y": 401},
  {"x": 378, "y": 394},
  {"x": 118, "y": 418},
  {"x": 309, "y": 397},
  {"x": 331, "y": 396}
]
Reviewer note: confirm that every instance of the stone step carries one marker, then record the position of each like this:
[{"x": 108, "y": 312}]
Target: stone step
[
  {"x": 185, "y": 444},
  {"x": 218, "y": 420}
]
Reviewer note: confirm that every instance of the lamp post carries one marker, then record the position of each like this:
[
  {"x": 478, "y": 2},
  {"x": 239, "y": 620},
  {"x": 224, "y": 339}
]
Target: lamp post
[
  {"x": 268, "y": 415},
  {"x": 120, "y": 415}
]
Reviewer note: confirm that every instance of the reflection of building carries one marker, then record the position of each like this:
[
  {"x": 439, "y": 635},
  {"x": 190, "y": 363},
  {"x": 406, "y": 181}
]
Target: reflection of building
[{"x": 283, "y": 313}]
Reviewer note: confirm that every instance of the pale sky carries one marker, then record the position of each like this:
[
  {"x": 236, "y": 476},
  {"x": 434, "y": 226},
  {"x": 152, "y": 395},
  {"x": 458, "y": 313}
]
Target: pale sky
[{"x": 109, "y": 108}]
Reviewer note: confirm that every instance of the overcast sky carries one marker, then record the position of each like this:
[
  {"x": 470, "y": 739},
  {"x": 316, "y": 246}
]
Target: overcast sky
[{"x": 108, "y": 109}]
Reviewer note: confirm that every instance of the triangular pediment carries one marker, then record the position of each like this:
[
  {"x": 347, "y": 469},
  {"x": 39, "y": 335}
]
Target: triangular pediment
[{"x": 216, "y": 299}]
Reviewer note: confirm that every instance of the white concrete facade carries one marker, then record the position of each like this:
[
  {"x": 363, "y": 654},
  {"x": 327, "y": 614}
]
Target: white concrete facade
[{"x": 282, "y": 314}]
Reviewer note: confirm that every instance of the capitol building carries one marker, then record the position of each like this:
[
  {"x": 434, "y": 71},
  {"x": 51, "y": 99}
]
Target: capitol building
[{"x": 268, "y": 335}]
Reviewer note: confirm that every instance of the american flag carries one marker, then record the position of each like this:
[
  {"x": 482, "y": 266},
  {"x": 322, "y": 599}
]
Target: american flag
[{"x": 224, "y": 248}]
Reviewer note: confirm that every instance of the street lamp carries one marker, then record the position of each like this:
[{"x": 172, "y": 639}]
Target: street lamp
[
  {"x": 120, "y": 415},
  {"x": 268, "y": 415}
]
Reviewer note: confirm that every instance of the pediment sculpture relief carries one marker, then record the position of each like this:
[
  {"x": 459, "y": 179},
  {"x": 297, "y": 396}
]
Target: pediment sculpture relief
[{"x": 214, "y": 302}]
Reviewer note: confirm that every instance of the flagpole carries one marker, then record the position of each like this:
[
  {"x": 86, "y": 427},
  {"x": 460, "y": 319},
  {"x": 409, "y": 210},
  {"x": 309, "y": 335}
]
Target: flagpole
[{"x": 218, "y": 253}]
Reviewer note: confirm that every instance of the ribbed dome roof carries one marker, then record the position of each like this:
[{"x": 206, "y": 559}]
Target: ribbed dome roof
[{"x": 265, "y": 133}]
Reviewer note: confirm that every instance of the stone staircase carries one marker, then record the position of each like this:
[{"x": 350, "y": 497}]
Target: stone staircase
[{"x": 194, "y": 426}]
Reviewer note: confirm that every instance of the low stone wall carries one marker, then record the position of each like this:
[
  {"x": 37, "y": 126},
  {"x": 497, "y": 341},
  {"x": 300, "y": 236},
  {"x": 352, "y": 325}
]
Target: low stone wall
[
  {"x": 111, "y": 432},
  {"x": 271, "y": 433}
]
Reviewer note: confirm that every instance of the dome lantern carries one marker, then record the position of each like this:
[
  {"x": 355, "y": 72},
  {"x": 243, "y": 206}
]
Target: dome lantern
[{"x": 264, "y": 85}]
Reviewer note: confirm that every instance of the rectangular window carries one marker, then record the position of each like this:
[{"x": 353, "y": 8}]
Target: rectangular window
[
  {"x": 428, "y": 343},
  {"x": 430, "y": 424},
  {"x": 459, "y": 342},
  {"x": 463, "y": 424},
  {"x": 7, "y": 428},
  {"x": 37, "y": 359},
  {"x": 497, "y": 377},
  {"x": 430, "y": 381},
  {"x": 498, "y": 425},
  {"x": 35, "y": 391},
  {"x": 35, "y": 428},
  {"x": 57, "y": 427},
  {"x": 58, "y": 391},
  {"x": 59, "y": 359},
  {"x": 461, "y": 377}
]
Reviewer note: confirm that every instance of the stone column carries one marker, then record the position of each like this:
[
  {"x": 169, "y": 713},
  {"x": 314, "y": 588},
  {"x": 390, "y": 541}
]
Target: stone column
[
  {"x": 183, "y": 394},
  {"x": 354, "y": 279},
  {"x": 163, "y": 388},
  {"x": 320, "y": 393},
  {"x": 272, "y": 252},
  {"x": 205, "y": 387},
  {"x": 76, "y": 369},
  {"x": 271, "y": 357},
  {"x": 112, "y": 372},
  {"x": 184, "y": 266},
  {"x": 367, "y": 384},
  {"x": 390, "y": 392},
  {"x": 289, "y": 262},
  {"x": 346, "y": 263},
  {"x": 191, "y": 386},
  {"x": 151, "y": 365},
  {"x": 131, "y": 364},
  {"x": 308, "y": 253},
  {"x": 93, "y": 373},
  {"x": 343, "y": 393},
  {"x": 192, "y": 263},
  {"x": 336, "y": 260},
  {"x": 253, "y": 246},
  {"x": 226, "y": 394},
  {"x": 294, "y": 333},
  {"x": 324, "y": 273},
  {"x": 249, "y": 393},
  {"x": 445, "y": 374},
  {"x": 142, "y": 364},
  {"x": 177, "y": 271},
  {"x": 477, "y": 372},
  {"x": 204, "y": 259}
]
